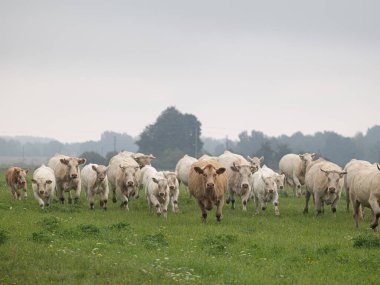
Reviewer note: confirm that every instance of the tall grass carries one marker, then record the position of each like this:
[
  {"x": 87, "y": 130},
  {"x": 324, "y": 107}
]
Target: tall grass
[{"x": 70, "y": 244}]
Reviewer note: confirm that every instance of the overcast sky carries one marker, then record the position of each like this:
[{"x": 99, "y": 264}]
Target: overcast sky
[{"x": 73, "y": 69}]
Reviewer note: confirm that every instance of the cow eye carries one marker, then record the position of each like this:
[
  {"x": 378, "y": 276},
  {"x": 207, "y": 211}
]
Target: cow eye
[
  {"x": 214, "y": 174},
  {"x": 337, "y": 180}
]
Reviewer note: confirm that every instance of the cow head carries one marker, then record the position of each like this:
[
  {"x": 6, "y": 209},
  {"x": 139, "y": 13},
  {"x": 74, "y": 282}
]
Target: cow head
[
  {"x": 72, "y": 164},
  {"x": 209, "y": 175},
  {"x": 255, "y": 163},
  {"x": 129, "y": 178},
  {"x": 333, "y": 177},
  {"x": 21, "y": 175},
  {"x": 306, "y": 159},
  {"x": 43, "y": 186},
  {"x": 172, "y": 180},
  {"x": 280, "y": 180},
  {"x": 162, "y": 186},
  {"x": 270, "y": 185},
  {"x": 143, "y": 159},
  {"x": 101, "y": 172},
  {"x": 245, "y": 176}
]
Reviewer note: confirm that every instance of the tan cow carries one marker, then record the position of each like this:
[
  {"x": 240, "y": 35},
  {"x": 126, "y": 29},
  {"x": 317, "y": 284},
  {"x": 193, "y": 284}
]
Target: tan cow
[
  {"x": 16, "y": 179},
  {"x": 324, "y": 181},
  {"x": 208, "y": 183},
  {"x": 294, "y": 167},
  {"x": 67, "y": 175},
  {"x": 365, "y": 191}
]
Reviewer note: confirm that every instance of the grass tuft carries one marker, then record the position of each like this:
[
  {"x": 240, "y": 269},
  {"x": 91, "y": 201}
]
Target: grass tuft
[
  {"x": 366, "y": 241},
  {"x": 3, "y": 236},
  {"x": 217, "y": 245},
  {"x": 41, "y": 237},
  {"x": 155, "y": 241},
  {"x": 89, "y": 229}
]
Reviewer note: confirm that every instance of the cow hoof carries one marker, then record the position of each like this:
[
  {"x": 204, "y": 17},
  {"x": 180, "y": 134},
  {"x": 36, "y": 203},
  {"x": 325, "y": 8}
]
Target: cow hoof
[
  {"x": 218, "y": 218},
  {"x": 305, "y": 211},
  {"x": 62, "y": 200},
  {"x": 114, "y": 200}
]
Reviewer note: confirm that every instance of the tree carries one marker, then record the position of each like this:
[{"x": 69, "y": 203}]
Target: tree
[
  {"x": 172, "y": 130},
  {"x": 93, "y": 157}
]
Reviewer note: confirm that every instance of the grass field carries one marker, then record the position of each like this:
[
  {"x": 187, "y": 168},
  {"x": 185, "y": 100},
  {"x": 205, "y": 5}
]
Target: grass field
[{"x": 73, "y": 245}]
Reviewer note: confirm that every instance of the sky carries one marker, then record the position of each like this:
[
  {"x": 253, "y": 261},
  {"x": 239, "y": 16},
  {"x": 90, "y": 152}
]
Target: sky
[{"x": 70, "y": 70}]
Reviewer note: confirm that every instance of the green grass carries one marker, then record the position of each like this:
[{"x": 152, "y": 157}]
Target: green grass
[{"x": 73, "y": 245}]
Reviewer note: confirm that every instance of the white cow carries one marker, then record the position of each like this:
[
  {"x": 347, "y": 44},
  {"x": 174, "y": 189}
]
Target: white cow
[
  {"x": 173, "y": 189},
  {"x": 324, "y": 181},
  {"x": 67, "y": 175},
  {"x": 183, "y": 168},
  {"x": 294, "y": 167},
  {"x": 158, "y": 193},
  {"x": 264, "y": 189},
  {"x": 95, "y": 181},
  {"x": 123, "y": 174},
  {"x": 365, "y": 191},
  {"x": 43, "y": 185},
  {"x": 239, "y": 173}
]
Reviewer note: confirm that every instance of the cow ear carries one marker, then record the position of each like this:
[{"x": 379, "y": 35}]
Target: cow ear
[
  {"x": 151, "y": 156},
  {"x": 49, "y": 182},
  {"x": 261, "y": 159},
  {"x": 325, "y": 171},
  {"x": 94, "y": 168},
  {"x": 220, "y": 170},
  {"x": 34, "y": 181},
  {"x": 249, "y": 158},
  {"x": 154, "y": 179},
  {"x": 81, "y": 161},
  {"x": 234, "y": 167},
  {"x": 64, "y": 161},
  {"x": 342, "y": 173},
  {"x": 301, "y": 156},
  {"x": 313, "y": 155},
  {"x": 26, "y": 170},
  {"x": 198, "y": 170}
]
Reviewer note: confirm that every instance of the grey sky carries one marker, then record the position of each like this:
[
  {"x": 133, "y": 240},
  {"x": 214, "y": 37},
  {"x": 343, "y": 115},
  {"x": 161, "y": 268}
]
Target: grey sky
[{"x": 72, "y": 69}]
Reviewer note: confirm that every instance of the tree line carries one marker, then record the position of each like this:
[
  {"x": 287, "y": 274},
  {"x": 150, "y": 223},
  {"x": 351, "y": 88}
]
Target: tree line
[{"x": 174, "y": 134}]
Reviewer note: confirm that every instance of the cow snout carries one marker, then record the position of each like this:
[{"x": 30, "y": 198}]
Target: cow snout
[
  {"x": 271, "y": 190},
  {"x": 130, "y": 183},
  {"x": 162, "y": 194},
  {"x": 73, "y": 176},
  {"x": 245, "y": 185},
  {"x": 281, "y": 187},
  {"x": 332, "y": 189},
  {"x": 171, "y": 187},
  {"x": 210, "y": 185},
  {"x": 41, "y": 192}
]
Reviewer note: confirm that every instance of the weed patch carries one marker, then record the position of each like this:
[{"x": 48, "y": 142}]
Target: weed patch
[
  {"x": 217, "y": 245},
  {"x": 367, "y": 241},
  {"x": 89, "y": 229},
  {"x": 40, "y": 237},
  {"x": 155, "y": 241},
  {"x": 50, "y": 223},
  {"x": 120, "y": 226},
  {"x": 3, "y": 236}
]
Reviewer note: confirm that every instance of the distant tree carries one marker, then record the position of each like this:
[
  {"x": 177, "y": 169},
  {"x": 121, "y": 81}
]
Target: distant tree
[
  {"x": 172, "y": 130},
  {"x": 168, "y": 159},
  {"x": 109, "y": 155},
  {"x": 93, "y": 157}
]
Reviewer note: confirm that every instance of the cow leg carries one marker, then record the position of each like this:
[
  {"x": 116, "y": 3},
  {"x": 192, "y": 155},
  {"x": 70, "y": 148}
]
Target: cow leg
[
  {"x": 203, "y": 210},
  {"x": 347, "y": 199},
  {"x": 374, "y": 203},
  {"x": 307, "y": 199},
  {"x": 60, "y": 194},
  {"x": 165, "y": 207},
  {"x": 318, "y": 204},
  {"x": 103, "y": 199},
  {"x": 275, "y": 204},
  {"x": 77, "y": 193},
  {"x": 114, "y": 200},
  {"x": 256, "y": 204},
  {"x": 174, "y": 199},
  {"x": 219, "y": 206},
  {"x": 90, "y": 198},
  {"x": 356, "y": 206},
  {"x": 296, "y": 186},
  {"x": 70, "y": 199},
  {"x": 39, "y": 200},
  {"x": 244, "y": 200},
  {"x": 18, "y": 194},
  {"x": 333, "y": 206},
  {"x": 232, "y": 198},
  {"x": 25, "y": 192},
  {"x": 263, "y": 204}
]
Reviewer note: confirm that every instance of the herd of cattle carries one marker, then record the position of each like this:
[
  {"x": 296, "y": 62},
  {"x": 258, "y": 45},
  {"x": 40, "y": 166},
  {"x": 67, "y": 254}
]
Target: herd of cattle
[{"x": 207, "y": 179}]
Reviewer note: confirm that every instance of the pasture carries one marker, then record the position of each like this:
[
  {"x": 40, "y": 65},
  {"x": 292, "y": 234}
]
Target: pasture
[{"x": 70, "y": 244}]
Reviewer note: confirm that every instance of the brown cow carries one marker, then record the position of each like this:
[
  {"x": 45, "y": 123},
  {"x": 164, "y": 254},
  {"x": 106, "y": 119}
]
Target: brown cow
[
  {"x": 16, "y": 179},
  {"x": 208, "y": 183}
]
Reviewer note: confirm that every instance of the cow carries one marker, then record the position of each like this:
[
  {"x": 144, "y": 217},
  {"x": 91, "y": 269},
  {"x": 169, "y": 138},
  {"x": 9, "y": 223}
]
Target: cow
[
  {"x": 351, "y": 168},
  {"x": 264, "y": 189},
  {"x": 239, "y": 173},
  {"x": 123, "y": 174},
  {"x": 95, "y": 181},
  {"x": 294, "y": 167},
  {"x": 67, "y": 175},
  {"x": 324, "y": 181},
  {"x": 365, "y": 191},
  {"x": 208, "y": 183},
  {"x": 279, "y": 178},
  {"x": 183, "y": 168},
  {"x": 157, "y": 193},
  {"x": 43, "y": 185},
  {"x": 173, "y": 189},
  {"x": 15, "y": 177}
]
